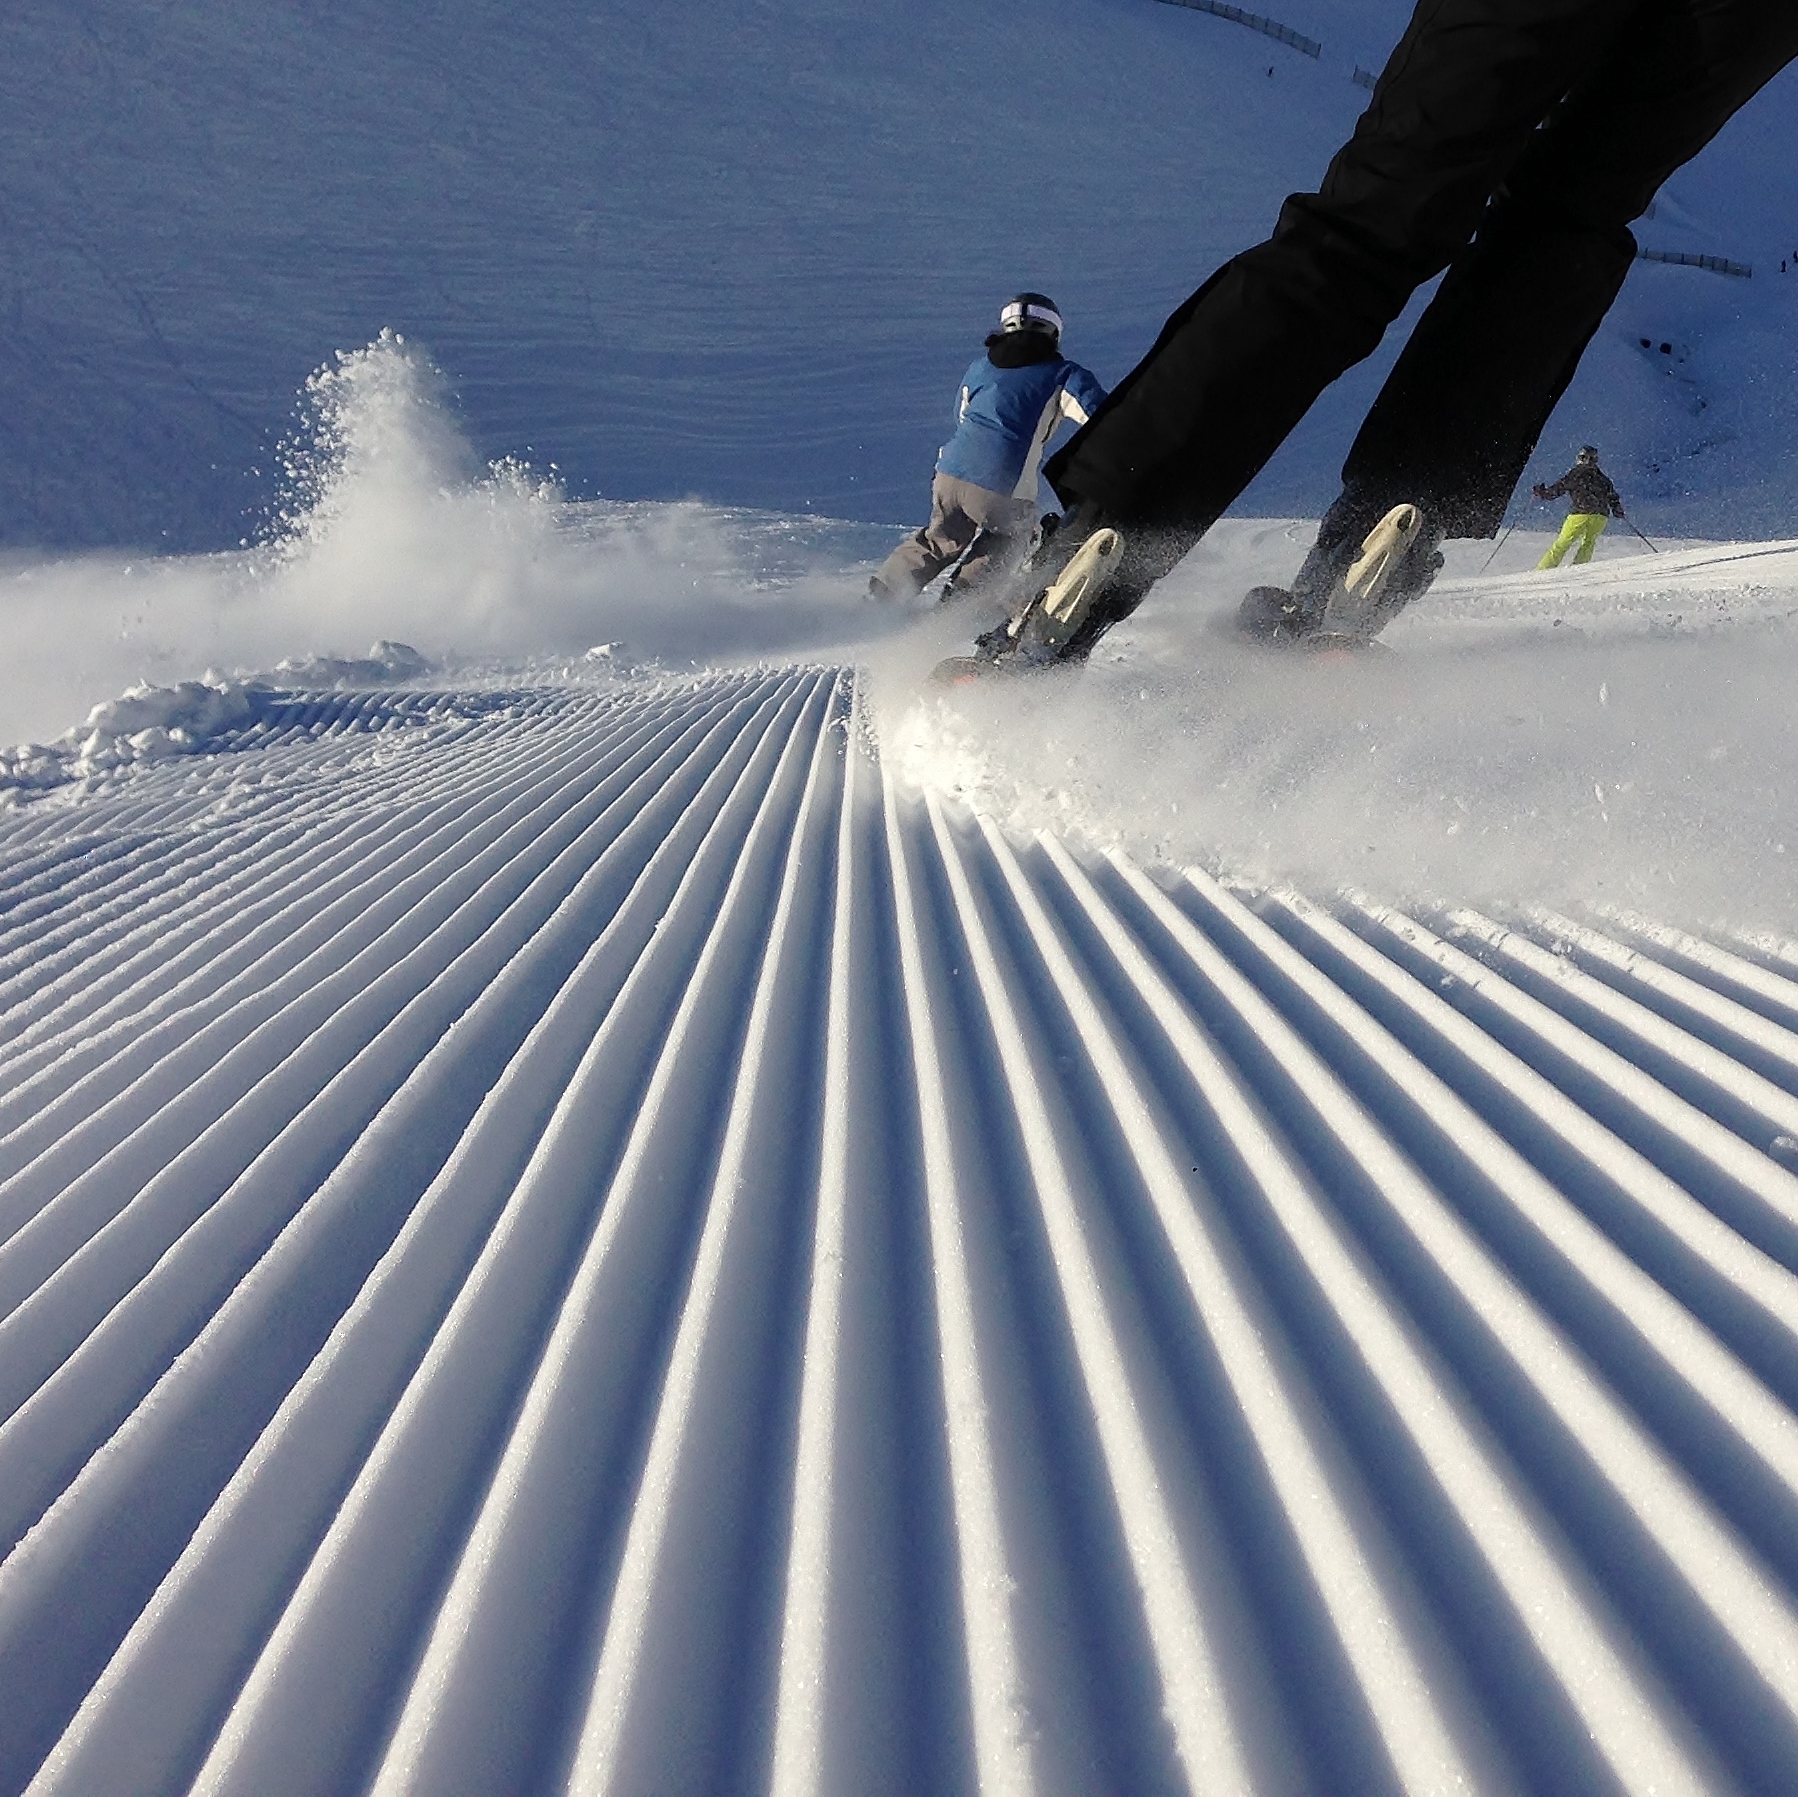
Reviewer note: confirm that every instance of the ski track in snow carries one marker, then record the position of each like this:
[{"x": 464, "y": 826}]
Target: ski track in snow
[{"x": 588, "y": 1238}]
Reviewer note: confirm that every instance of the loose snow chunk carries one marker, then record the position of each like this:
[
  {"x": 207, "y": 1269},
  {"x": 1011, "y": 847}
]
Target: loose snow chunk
[
  {"x": 384, "y": 664},
  {"x": 200, "y": 710},
  {"x": 145, "y": 724}
]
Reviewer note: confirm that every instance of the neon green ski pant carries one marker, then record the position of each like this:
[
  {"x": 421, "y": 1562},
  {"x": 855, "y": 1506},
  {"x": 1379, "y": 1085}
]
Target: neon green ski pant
[{"x": 1583, "y": 528}]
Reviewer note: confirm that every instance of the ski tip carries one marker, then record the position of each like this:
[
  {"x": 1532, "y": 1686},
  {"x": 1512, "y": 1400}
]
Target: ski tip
[{"x": 958, "y": 670}]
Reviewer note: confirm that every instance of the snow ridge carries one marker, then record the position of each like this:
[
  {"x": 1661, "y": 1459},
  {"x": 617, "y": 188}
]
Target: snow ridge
[{"x": 588, "y": 1239}]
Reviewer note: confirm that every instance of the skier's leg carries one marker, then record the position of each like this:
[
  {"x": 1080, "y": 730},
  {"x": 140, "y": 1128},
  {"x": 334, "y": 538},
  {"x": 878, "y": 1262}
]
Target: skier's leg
[
  {"x": 927, "y": 552},
  {"x": 1569, "y": 535},
  {"x": 1591, "y": 529},
  {"x": 912, "y": 566},
  {"x": 1003, "y": 536},
  {"x": 1459, "y": 416},
  {"x": 990, "y": 558},
  {"x": 1239, "y": 364}
]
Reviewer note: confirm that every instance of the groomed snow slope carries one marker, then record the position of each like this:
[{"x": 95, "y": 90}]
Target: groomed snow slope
[{"x": 581, "y": 1238}]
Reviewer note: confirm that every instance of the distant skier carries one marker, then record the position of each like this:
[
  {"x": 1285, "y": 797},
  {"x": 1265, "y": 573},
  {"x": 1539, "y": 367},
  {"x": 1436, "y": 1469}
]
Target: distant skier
[
  {"x": 1508, "y": 141},
  {"x": 1592, "y": 502},
  {"x": 983, "y": 501}
]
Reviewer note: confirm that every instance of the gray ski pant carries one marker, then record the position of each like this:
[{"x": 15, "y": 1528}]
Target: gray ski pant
[{"x": 985, "y": 532}]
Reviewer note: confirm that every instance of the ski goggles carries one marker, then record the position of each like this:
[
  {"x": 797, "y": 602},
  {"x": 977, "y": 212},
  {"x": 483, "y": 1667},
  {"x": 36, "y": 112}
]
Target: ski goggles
[{"x": 1020, "y": 316}]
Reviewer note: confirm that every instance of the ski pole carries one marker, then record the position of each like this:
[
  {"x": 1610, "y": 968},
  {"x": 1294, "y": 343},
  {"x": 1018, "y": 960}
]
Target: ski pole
[
  {"x": 1502, "y": 541},
  {"x": 1644, "y": 539}
]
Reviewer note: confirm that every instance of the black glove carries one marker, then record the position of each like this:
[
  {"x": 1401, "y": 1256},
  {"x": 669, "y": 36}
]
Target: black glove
[{"x": 1540, "y": 490}]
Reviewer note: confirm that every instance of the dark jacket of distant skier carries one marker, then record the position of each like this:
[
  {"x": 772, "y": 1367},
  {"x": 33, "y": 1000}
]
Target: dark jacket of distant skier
[
  {"x": 983, "y": 501},
  {"x": 1588, "y": 491}
]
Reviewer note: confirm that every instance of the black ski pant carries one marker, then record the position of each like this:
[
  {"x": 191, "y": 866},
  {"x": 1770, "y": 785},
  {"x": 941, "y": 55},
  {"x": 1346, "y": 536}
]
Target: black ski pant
[{"x": 1508, "y": 141}]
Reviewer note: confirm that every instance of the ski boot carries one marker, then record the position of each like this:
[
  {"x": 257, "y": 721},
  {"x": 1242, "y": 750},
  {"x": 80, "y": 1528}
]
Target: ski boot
[
  {"x": 1345, "y": 594},
  {"x": 1076, "y": 566}
]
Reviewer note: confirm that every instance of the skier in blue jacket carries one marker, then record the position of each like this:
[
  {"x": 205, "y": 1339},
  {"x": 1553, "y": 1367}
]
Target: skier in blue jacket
[{"x": 983, "y": 501}]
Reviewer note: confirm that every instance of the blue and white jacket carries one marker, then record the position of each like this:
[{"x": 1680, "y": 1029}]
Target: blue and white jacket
[{"x": 1005, "y": 417}]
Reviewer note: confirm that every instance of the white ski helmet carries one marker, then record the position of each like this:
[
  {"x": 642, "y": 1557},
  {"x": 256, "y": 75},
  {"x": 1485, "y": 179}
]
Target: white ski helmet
[{"x": 1030, "y": 312}]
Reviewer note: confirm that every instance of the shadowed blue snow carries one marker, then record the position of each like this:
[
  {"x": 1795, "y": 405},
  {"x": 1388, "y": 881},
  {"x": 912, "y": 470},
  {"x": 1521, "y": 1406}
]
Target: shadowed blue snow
[{"x": 735, "y": 249}]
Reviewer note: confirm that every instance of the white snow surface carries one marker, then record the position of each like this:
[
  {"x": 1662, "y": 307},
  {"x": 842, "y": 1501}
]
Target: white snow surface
[{"x": 584, "y": 1236}]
